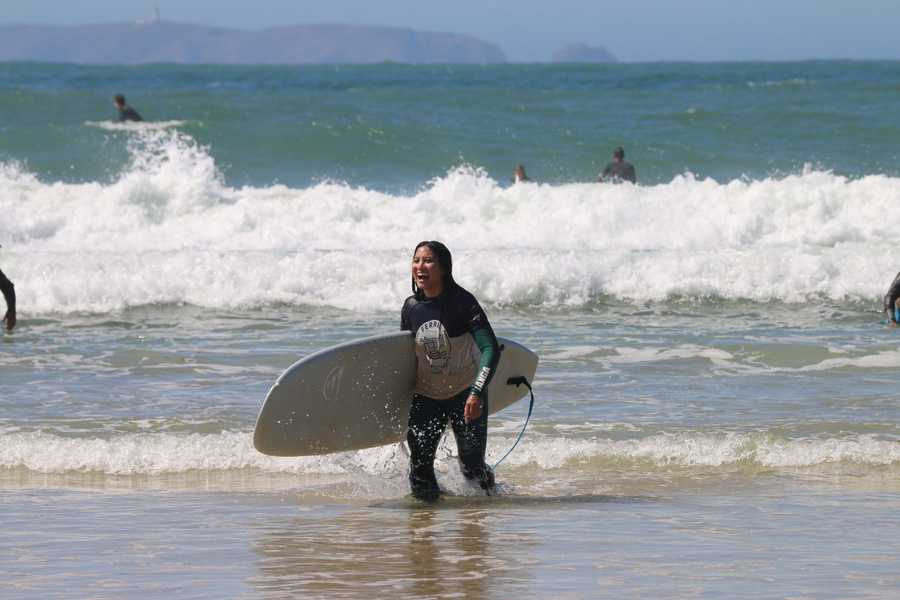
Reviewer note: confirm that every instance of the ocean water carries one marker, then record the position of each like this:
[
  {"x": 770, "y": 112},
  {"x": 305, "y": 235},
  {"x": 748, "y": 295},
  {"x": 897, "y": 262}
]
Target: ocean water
[{"x": 718, "y": 399}]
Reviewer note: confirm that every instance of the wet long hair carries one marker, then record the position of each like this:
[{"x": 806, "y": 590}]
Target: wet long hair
[{"x": 444, "y": 258}]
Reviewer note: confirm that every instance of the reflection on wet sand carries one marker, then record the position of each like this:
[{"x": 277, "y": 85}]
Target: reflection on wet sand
[{"x": 420, "y": 552}]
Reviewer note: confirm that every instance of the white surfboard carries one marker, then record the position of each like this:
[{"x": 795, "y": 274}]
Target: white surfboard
[{"x": 357, "y": 395}]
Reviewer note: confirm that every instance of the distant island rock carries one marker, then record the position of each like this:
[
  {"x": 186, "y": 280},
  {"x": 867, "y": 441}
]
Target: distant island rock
[
  {"x": 159, "y": 41},
  {"x": 582, "y": 53}
]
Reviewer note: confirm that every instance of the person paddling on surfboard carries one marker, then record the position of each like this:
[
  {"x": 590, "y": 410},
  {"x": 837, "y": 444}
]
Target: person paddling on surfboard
[
  {"x": 450, "y": 329},
  {"x": 126, "y": 113},
  {"x": 892, "y": 302}
]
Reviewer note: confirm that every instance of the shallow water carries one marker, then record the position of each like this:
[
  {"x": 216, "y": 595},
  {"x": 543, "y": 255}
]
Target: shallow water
[
  {"x": 771, "y": 543},
  {"x": 747, "y": 456}
]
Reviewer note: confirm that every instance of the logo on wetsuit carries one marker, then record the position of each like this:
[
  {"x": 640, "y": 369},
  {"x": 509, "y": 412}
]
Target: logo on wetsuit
[{"x": 433, "y": 338}]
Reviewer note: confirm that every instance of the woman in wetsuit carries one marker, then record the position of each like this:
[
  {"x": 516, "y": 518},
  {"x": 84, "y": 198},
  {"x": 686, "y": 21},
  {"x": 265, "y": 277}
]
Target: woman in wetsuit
[{"x": 456, "y": 356}]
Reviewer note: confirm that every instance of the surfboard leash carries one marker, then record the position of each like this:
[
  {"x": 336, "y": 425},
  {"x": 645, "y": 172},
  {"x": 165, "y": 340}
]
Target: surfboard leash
[{"x": 517, "y": 381}]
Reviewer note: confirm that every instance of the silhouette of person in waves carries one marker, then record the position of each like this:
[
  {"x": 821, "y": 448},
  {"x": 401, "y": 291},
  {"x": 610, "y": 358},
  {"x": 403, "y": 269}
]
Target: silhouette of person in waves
[
  {"x": 126, "y": 113},
  {"x": 619, "y": 169}
]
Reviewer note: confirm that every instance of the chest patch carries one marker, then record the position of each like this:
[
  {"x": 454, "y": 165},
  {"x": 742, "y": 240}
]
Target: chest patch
[{"x": 433, "y": 339}]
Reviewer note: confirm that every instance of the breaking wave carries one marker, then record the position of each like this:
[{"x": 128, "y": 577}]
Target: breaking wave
[{"x": 169, "y": 230}]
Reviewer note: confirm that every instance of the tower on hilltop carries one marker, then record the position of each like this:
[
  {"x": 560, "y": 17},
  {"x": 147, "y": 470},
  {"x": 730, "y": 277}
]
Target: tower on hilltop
[{"x": 151, "y": 20}]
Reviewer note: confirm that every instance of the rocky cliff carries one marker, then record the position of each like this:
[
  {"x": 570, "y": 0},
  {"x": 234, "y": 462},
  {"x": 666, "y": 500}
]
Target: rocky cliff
[{"x": 169, "y": 42}]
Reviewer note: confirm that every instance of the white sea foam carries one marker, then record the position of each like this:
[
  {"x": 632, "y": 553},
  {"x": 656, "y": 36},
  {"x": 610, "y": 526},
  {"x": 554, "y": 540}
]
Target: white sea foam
[
  {"x": 165, "y": 453},
  {"x": 781, "y": 83},
  {"x": 169, "y": 230},
  {"x": 888, "y": 359},
  {"x": 709, "y": 450},
  {"x": 573, "y": 352},
  {"x": 681, "y": 352},
  {"x": 159, "y": 453}
]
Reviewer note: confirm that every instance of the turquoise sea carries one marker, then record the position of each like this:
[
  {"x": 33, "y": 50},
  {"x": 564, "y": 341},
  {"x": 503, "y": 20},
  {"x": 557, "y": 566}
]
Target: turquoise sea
[{"x": 718, "y": 399}]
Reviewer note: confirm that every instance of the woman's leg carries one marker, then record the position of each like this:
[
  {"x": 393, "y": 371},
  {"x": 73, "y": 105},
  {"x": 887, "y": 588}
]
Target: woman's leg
[
  {"x": 471, "y": 442},
  {"x": 426, "y": 424}
]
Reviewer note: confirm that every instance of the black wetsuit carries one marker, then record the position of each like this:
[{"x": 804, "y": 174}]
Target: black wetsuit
[
  {"x": 450, "y": 332},
  {"x": 126, "y": 113},
  {"x": 890, "y": 298},
  {"x": 618, "y": 171},
  {"x": 9, "y": 293}
]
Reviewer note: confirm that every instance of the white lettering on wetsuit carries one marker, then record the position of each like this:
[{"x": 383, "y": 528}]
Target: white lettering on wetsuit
[{"x": 482, "y": 377}]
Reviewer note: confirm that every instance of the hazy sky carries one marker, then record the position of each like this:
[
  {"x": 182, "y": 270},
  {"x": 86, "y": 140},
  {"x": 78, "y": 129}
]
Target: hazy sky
[{"x": 530, "y": 30}]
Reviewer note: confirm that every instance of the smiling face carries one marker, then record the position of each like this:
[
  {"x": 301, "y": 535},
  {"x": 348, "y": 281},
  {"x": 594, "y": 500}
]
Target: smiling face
[{"x": 427, "y": 272}]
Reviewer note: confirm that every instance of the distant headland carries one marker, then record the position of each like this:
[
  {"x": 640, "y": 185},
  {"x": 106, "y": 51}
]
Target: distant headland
[{"x": 159, "y": 41}]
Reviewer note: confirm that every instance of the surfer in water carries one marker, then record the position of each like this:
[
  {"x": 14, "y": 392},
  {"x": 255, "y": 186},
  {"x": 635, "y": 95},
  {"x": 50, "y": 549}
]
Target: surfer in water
[
  {"x": 619, "y": 169},
  {"x": 9, "y": 294},
  {"x": 519, "y": 174},
  {"x": 126, "y": 113},
  {"x": 450, "y": 327},
  {"x": 892, "y": 302}
]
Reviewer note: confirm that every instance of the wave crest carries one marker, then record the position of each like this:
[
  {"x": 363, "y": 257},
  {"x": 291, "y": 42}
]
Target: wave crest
[
  {"x": 162, "y": 453},
  {"x": 169, "y": 229}
]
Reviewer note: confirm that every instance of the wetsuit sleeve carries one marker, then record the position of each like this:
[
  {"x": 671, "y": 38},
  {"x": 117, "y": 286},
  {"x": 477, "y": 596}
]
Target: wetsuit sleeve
[
  {"x": 9, "y": 292},
  {"x": 486, "y": 341},
  {"x": 891, "y": 297},
  {"x": 630, "y": 174},
  {"x": 490, "y": 356}
]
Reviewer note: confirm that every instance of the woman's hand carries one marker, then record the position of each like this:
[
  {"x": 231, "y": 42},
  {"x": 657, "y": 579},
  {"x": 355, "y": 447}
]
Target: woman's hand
[{"x": 473, "y": 408}]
